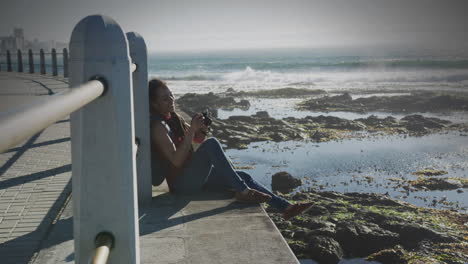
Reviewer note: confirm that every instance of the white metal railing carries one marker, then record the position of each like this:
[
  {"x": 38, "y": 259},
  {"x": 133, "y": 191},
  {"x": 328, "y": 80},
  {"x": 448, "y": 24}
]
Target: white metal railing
[
  {"x": 104, "y": 244},
  {"x": 108, "y": 73},
  {"x": 21, "y": 123},
  {"x": 42, "y": 64}
]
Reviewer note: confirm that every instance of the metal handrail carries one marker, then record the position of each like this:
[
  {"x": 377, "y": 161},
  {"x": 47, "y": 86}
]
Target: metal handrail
[
  {"x": 41, "y": 54},
  {"x": 133, "y": 67},
  {"x": 35, "y": 53},
  {"x": 104, "y": 244},
  {"x": 23, "y": 122}
]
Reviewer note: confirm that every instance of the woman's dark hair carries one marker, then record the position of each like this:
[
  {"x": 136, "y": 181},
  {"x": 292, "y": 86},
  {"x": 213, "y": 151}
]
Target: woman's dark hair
[{"x": 176, "y": 122}]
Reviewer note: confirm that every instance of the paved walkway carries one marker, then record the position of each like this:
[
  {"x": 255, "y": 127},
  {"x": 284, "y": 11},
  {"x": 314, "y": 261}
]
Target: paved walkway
[
  {"x": 35, "y": 175},
  {"x": 36, "y": 215}
]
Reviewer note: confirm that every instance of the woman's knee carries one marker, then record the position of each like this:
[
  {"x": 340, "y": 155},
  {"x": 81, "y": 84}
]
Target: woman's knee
[
  {"x": 245, "y": 176},
  {"x": 212, "y": 143}
]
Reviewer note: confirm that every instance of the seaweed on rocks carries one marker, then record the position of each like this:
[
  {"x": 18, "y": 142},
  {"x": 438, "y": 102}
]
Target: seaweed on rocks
[
  {"x": 239, "y": 131},
  {"x": 415, "y": 102},
  {"x": 350, "y": 225}
]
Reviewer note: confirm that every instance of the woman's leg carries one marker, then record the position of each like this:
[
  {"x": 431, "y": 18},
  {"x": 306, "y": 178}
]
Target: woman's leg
[
  {"x": 209, "y": 165},
  {"x": 193, "y": 176},
  {"x": 276, "y": 201},
  {"x": 223, "y": 174},
  {"x": 289, "y": 210}
]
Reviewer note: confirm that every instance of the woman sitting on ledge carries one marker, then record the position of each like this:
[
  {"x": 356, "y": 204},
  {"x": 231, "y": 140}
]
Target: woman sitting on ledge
[{"x": 208, "y": 167}]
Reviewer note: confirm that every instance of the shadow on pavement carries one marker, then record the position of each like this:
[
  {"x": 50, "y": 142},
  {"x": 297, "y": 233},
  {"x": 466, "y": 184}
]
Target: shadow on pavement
[{"x": 34, "y": 176}]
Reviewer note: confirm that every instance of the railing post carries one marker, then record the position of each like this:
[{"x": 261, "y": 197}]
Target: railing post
[
  {"x": 139, "y": 56},
  {"x": 20, "y": 61},
  {"x": 65, "y": 63},
  {"x": 102, "y": 141},
  {"x": 31, "y": 61},
  {"x": 54, "y": 62},
  {"x": 8, "y": 61},
  {"x": 43, "y": 68}
]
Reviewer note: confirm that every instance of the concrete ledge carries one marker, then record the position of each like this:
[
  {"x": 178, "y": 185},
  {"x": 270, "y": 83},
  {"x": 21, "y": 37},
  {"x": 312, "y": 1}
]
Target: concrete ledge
[{"x": 201, "y": 228}]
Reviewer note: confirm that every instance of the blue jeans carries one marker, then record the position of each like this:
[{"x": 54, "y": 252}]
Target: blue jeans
[{"x": 210, "y": 168}]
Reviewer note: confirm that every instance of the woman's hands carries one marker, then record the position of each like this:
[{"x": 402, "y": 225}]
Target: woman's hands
[
  {"x": 197, "y": 122},
  {"x": 199, "y": 128}
]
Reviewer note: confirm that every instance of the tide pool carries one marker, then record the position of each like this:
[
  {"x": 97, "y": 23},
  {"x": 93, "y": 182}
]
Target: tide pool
[{"x": 364, "y": 165}]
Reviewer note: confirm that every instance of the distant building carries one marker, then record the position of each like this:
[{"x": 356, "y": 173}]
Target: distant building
[
  {"x": 18, "y": 34},
  {"x": 17, "y": 41},
  {"x": 13, "y": 42}
]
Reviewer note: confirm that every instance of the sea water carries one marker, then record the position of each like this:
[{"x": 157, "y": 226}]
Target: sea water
[
  {"x": 311, "y": 69},
  {"x": 364, "y": 165}
]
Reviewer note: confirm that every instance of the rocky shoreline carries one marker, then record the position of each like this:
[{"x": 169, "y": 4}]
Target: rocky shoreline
[
  {"x": 415, "y": 102},
  {"x": 375, "y": 227},
  {"x": 354, "y": 225},
  {"x": 238, "y": 131}
]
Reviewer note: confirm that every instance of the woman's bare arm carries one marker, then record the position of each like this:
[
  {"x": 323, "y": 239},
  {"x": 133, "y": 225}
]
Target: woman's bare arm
[
  {"x": 166, "y": 147},
  {"x": 200, "y": 133}
]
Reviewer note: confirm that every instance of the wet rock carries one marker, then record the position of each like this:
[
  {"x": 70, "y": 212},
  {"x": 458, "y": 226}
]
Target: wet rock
[
  {"x": 317, "y": 210},
  {"x": 262, "y": 127},
  {"x": 284, "y": 182},
  {"x": 377, "y": 218},
  {"x": 301, "y": 233},
  {"x": 363, "y": 239},
  {"x": 317, "y": 224},
  {"x": 230, "y": 90},
  {"x": 280, "y": 223},
  {"x": 262, "y": 114},
  {"x": 373, "y": 120},
  {"x": 241, "y": 119},
  {"x": 372, "y": 199},
  {"x": 439, "y": 183},
  {"x": 416, "y": 102},
  {"x": 299, "y": 248},
  {"x": 430, "y": 172},
  {"x": 321, "y": 136},
  {"x": 412, "y": 233},
  {"x": 300, "y": 196},
  {"x": 347, "y": 125},
  {"x": 421, "y": 124},
  {"x": 278, "y": 137},
  {"x": 346, "y": 97},
  {"x": 329, "y": 231},
  {"x": 333, "y": 195},
  {"x": 244, "y": 104},
  {"x": 337, "y": 123},
  {"x": 389, "y": 256},
  {"x": 364, "y": 224},
  {"x": 429, "y": 122},
  {"x": 324, "y": 250},
  {"x": 287, "y": 233}
]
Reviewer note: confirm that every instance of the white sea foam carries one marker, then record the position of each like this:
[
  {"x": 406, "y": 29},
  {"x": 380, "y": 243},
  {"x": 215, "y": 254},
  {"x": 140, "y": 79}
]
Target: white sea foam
[
  {"x": 371, "y": 79},
  {"x": 305, "y": 69}
]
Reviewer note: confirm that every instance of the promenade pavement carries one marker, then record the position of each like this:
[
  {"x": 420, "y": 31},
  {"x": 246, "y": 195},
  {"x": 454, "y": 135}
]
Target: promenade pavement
[
  {"x": 35, "y": 175},
  {"x": 37, "y": 222}
]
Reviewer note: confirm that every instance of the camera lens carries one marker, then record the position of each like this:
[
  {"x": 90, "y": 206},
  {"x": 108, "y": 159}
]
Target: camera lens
[{"x": 207, "y": 121}]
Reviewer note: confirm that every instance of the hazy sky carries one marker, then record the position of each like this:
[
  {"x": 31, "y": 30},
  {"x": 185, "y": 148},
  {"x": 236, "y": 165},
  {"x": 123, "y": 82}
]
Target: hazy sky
[{"x": 233, "y": 24}]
